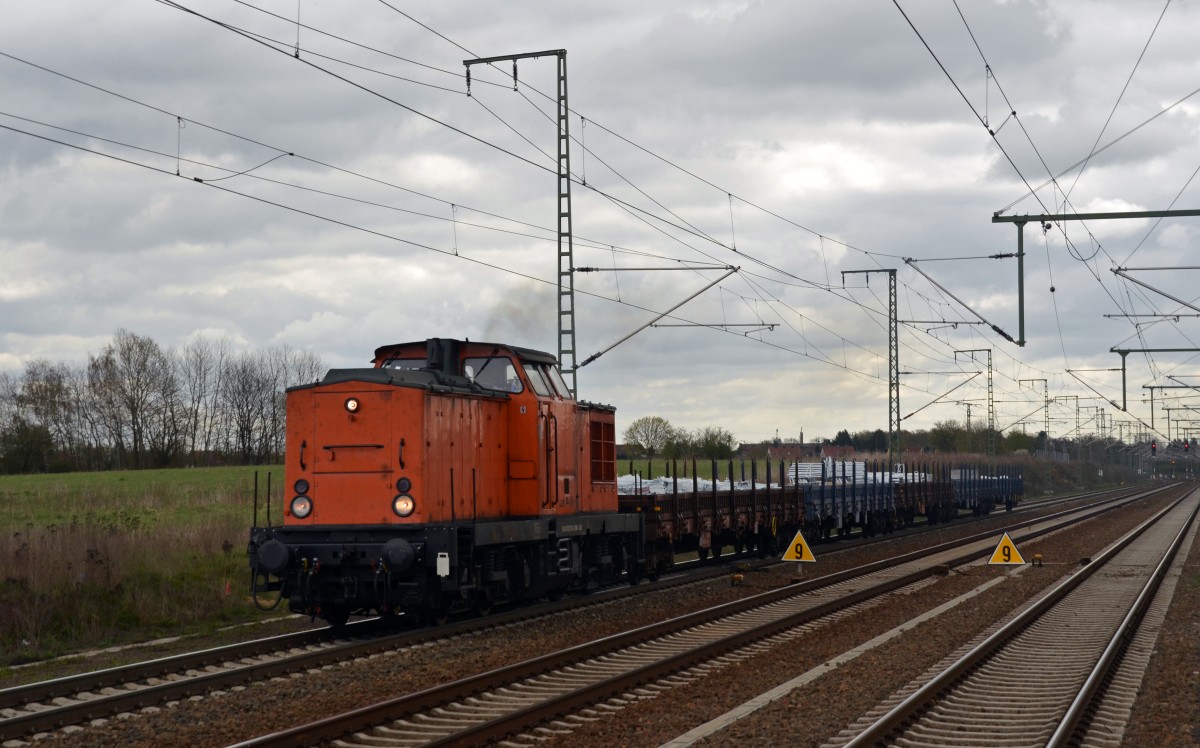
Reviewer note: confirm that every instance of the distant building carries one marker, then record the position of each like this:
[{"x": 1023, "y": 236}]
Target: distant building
[
  {"x": 790, "y": 453},
  {"x": 837, "y": 453}
]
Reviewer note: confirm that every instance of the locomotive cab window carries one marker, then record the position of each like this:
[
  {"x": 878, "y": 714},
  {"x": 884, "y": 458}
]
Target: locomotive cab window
[
  {"x": 494, "y": 373},
  {"x": 536, "y": 380},
  {"x": 560, "y": 384},
  {"x": 407, "y": 364}
]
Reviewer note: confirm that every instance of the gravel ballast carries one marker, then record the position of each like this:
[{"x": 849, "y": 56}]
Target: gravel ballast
[{"x": 805, "y": 717}]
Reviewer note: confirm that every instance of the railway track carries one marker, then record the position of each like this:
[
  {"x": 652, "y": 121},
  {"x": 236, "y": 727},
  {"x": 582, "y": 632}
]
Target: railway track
[
  {"x": 1004, "y": 690},
  {"x": 76, "y": 699},
  {"x": 502, "y": 702}
]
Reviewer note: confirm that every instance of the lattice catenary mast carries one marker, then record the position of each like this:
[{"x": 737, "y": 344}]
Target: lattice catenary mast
[{"x": 566, "y": 246}]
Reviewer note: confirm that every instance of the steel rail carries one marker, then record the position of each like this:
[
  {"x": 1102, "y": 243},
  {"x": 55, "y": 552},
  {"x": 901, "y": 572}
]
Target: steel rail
[
  {"x": 337, "y": 726},
  {"x": 93, "y": 706},
  {"x": 882, "y": 729},
  {"x": 138, "y": 696},
  {"x": 97, "y": 679},
  {"x": 1078, "y": 710}
]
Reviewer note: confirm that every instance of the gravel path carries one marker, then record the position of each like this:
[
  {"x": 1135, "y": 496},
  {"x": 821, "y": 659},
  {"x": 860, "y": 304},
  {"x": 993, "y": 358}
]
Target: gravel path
[{"x": 805, "y": 718}]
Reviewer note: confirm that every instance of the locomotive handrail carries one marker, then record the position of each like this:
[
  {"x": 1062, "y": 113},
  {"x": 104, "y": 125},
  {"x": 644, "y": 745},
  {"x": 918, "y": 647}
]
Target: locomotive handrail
[{"x": 552, "y": 430}]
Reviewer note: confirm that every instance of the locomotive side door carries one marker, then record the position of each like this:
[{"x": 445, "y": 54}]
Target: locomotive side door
[{"x": 562, "y": 455}]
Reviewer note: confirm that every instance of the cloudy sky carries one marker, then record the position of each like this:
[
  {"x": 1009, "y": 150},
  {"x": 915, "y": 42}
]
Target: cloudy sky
[{"x": 338, "y": 190}]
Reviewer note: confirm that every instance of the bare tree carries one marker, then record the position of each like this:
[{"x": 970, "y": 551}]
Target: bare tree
[
  {"x": 284, "y": 367},
  {"x": 166, "y": 419},
  {"x": 48, "y": 398},
  {"x": 242, "y": 399},
  {"x": 8, "y": 397},
  {"x": 136, "y": 404},
  {"x": 201, "y": 366},
  {"x": 135, "y": 386},
  {"x": 94, "y": 451},
  {"x": 649, "y": 435},
  {"x": 10, "y": 390}
]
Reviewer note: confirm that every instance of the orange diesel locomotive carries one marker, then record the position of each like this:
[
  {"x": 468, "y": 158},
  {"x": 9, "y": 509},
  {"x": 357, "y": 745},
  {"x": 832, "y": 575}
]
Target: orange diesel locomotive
[{"x": 451, "y": 476}]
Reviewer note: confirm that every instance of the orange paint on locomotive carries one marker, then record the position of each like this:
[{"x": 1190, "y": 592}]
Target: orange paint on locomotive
[
  {"x": 524, "y": 451},
  {"x": 448, "y": 477}
]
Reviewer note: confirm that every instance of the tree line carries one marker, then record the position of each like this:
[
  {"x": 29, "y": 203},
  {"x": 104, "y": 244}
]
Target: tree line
[
  {"x": 136, "y": 404},
  {"x": 944, "y": 436},
  {"x": 654, "y": 436}
]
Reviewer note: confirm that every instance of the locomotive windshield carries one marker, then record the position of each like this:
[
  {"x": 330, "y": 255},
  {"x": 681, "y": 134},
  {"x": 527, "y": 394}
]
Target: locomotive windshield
[
  {"x": 494, "y": 373},
  {"x": 560, "y": 384},
  {"x": 540, "y": 385}
]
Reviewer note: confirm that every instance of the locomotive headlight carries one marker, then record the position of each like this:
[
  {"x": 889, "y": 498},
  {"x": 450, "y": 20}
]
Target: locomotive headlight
[
  {"x": 404, "y": 485},
  {"x": 403, "y": 505},
  {"x": 301, "y": 486},
  {"x": 352, "y": 405},
  {"x": 301, "y": 507}
]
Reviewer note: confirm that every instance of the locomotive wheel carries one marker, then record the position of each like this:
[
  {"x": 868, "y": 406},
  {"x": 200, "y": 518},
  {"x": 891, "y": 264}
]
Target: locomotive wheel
[
  {"x": 436, "y": 611},
  {"x": 437, "y": 616},
  {"x": 633, "y": 574},
  {"x": 337, "y": 616},
  {"x": 483, "y": 607}
]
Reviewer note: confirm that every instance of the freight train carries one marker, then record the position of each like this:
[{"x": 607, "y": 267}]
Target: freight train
[
  {"x": 449, "y": 476},
  {"x": 759, "y": 516},
  {"x": 452, "y": 476}
]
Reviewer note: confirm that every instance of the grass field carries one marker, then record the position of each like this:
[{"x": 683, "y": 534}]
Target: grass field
[
  {"x": 92, "y": 559},
  {"x": 157, "y": 496}
]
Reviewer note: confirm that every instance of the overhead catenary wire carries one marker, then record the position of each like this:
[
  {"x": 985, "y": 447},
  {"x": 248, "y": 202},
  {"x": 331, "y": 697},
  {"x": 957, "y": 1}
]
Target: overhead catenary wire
[
  {"x": 419, "y": 245},
  {"x": 439, "y": 35},
  {"x": 1082, "y": 163},
  {"x": 223, "y": 131},
  {"x": 182, "y": 8},
  {"x": 730, "y": 200},
  {"x": 1032, "y": 192}
]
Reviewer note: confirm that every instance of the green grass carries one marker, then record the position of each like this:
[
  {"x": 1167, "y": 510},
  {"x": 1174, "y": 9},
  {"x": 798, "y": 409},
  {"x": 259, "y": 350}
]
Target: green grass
[
  {"x": 93, "y": 559},
  {"x": 129, "y": 498}
]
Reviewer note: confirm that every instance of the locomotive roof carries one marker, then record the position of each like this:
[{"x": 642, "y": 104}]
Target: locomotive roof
[{"x": 527, "y": 354}]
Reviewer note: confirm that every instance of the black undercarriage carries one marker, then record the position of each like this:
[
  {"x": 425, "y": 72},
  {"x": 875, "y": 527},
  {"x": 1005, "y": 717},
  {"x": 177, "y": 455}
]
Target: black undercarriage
[{"x": 435, "y": 571}]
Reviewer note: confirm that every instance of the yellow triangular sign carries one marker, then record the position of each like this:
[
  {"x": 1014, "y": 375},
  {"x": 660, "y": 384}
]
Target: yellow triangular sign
[
  {"x": 798, "y": 550},
  {"x": 1006, "y": 552}
]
